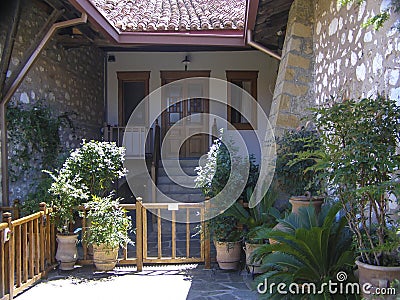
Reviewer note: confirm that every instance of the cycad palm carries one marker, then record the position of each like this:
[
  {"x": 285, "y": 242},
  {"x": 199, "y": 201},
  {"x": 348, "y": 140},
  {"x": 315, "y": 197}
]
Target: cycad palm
[{"x": 311, "y": 249}]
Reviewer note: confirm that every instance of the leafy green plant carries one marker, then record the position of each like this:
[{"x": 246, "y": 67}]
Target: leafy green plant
[
  {"x": 66, "y": 196},
  {"x": 92, "y": 168},
  {"x": 214, "y": 175},
  {"x": 95, "y": 165},
  {"x": 110, "y": 226},
  {"x": 293, "y": 165},
  {"x": 40, "y": 194},
  {"x": 264, "y": 214},
  {"x": 224, "y": 228},
  {"x": 379, "y": 19},
  {"x": 360, "y": 162},
  {"x": 314, "y": 251}
]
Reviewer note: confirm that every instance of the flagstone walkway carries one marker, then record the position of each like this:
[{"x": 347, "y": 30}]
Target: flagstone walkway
[{"x": 175, "y": 282}]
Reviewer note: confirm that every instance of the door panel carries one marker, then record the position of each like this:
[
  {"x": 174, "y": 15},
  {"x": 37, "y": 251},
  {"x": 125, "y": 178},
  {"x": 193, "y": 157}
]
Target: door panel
[{"x": 187, "y": 101}]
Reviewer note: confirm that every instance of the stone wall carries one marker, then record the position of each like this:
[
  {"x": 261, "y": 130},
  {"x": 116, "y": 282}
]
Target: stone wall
[
  {"x": 294, "y": 91},
  {"x": 352, "y": 61},
  {"x": 327, "y": 52},
  {"x": 67, "y": 79}
]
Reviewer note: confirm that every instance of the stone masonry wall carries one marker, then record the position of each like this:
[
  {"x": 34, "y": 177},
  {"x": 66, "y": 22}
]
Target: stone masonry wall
[
  {"x": 352, "y": 61},
  {"x": 327, "y": 52},
  {"x": 294, "y": 91},
  {"x": 68, "y": 80}
]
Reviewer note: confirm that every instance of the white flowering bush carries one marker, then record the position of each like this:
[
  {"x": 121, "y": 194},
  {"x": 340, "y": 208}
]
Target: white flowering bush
[{"x": 89, "y": 171}]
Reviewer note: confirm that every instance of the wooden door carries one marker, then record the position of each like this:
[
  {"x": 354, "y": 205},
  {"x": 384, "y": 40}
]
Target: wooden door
[{"x": 185, "y": 102}]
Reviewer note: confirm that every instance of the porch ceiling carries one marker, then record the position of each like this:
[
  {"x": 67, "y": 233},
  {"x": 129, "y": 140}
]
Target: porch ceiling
[
  {"x": 271, "y": 21},
  {"x": 267, "y": 19}
]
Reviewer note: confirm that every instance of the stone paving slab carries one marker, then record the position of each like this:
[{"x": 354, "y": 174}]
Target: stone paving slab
[{"x": 175, "y": 282}]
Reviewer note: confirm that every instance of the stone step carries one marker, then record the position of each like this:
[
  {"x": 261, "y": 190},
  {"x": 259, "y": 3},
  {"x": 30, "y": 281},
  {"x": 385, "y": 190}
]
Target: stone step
[
  {"x": 168, "y": 188},
  {"x": 183, "y": 162},
  {"x": 174, "y": 171},
  {"x": 181, "y": 179}
]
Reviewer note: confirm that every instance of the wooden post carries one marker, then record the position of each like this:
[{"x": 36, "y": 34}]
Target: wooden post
[
  {"x": 207, "y": 244},
  {"x": 42, "y": 235},
  {"x": 9, "y": 255},
  {"x": 139, "y": 234},
  {"x": 16, "y": 209}
]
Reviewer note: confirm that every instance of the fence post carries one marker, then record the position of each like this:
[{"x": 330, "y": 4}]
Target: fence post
[
  {"x": 16, "y": 208},
  {"x": 139, "y": 234},
  {"x": 207, "y": 245},
  {"x": 42, "y": 234},
  {"x": 9, "y": 274}
]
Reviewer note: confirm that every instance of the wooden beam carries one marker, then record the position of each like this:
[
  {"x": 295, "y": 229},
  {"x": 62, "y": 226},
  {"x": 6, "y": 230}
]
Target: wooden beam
[
  {"x": 14, "y": 86},
  {"x": 5, "y": 63},
  {"x": 34, "y": 45},
  {"x": 9, "y": 45}
]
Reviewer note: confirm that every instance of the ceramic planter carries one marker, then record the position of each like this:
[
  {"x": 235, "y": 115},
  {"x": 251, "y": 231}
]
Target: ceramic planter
[
  {"x": 304, "y": 201},
  {"x": 228, "y": 254},
  {"x": 67, "y": 253},
  {"x": 104, "y": 258},
  {"x": 253, "y": 267},
  {"x": 377, "y": 276}
]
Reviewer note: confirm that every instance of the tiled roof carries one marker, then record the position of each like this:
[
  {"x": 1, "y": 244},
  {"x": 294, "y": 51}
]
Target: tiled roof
[{"x": 172, "y": 15}]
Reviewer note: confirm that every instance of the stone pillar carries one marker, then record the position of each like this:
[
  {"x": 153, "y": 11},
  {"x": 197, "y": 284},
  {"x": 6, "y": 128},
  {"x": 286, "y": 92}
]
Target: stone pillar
[{"x": 294, "y": 92}]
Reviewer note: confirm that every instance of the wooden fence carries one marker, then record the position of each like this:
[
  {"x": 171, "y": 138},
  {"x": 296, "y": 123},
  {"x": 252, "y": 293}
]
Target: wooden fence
[
  {"x": 141, "y": 239},
  {"x": 28, "y": 244},
  {"x": 27, "y": 251}
]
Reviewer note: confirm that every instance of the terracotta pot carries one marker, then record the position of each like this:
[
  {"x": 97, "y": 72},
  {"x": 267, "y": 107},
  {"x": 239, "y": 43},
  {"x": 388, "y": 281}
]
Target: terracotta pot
[
  {"x": 377, "y": 277},
  {"x": 253, "y": 267},
  {"x": 67, "y": 253},
  {"x": 304, "y": 201},
  {"x": 104, "y": 258},
  {"x": 228, "y": 254}
]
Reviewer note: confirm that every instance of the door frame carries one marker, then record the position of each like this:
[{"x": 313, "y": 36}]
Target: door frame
[
  {"x": 170, "y": 76},
  {"x": 130, "y": 76}
]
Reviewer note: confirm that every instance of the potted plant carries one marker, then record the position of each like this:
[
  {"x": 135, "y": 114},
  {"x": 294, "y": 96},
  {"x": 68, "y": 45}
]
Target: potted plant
[
  {"x": 361, "y": 162},
  {"x": 110, "y": 227},
  {"x": 261, "y": 216},
  {"x": 227, "y": 238},
  {"x": 64, "y": 202},
  {"x": 313, "y": 251},
  {"x": 294, "y": 168}
]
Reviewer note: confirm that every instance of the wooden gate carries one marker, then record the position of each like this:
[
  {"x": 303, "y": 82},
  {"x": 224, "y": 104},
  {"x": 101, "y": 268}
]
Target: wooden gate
[{"x": 152, "y": 246}]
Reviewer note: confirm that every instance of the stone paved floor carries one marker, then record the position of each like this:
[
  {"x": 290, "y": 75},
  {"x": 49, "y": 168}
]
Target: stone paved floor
[{"x": 169, "y": 282}]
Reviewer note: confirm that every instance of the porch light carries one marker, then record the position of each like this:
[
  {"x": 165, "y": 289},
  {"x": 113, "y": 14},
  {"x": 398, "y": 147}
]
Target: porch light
[{"x": 186, "y": 61}]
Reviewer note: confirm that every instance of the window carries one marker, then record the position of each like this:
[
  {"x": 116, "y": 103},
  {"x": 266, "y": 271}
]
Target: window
[
  {"x": 246, "y": 80},
  {"x": 132, "y": 88}
]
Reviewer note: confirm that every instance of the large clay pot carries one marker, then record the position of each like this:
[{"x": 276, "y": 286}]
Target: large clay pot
[
  {"x": 377, "y": 277},
  {"x": 304, "y": 201},
  {"x": 228, "y": 254},
  {"x": 253, "y": 267},
  {"x": 104, "y": 258},
  {"x": 67, "y": 253}
]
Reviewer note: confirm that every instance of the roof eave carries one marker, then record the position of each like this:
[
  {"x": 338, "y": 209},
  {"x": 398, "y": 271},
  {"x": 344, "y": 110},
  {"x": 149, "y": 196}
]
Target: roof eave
[{"x": 223, "y": 37}]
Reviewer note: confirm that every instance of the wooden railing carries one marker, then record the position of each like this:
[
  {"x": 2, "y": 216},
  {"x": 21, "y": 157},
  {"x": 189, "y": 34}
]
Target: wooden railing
[
  {"x": 136, "y": 142},
  {"x": 14, "y": 209},
  {"x": 27, "y": 251}
]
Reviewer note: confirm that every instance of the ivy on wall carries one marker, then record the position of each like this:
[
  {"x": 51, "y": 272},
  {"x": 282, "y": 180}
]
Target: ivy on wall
[
  {"x": 34, "y": 145},
  {"x": 379, "y": 19}
]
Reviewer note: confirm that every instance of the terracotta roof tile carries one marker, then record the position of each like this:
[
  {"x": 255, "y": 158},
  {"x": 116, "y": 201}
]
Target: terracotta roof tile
[{"x": 161, "y": 15}]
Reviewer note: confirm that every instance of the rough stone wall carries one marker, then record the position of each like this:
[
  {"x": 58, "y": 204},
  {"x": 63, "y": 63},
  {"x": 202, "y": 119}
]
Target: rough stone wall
[
  {"x": 294, "y": 91},
  {"x": 352, "y": 61},
  {"x": 68, "y": 80},
  {"x": 327, "y": 52}
]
